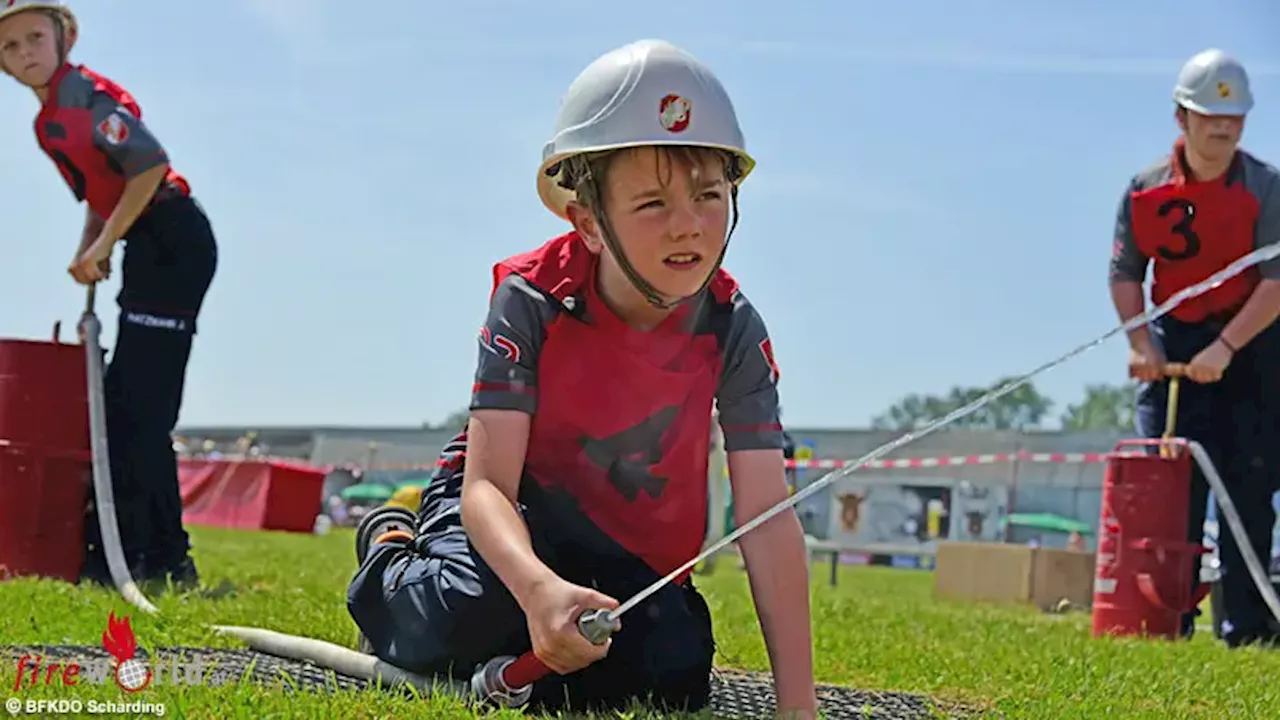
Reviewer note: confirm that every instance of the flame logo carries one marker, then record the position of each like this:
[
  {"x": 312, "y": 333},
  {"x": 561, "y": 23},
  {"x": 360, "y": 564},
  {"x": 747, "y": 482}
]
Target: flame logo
[
  {"x": 118, "y": 638},
  {"x": 131, "y": 674}
]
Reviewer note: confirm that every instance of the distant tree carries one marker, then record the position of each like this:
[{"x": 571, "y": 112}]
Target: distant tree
[
  {"x": 1021, "y": 409},
  {"x": 1104, "y": 407}
]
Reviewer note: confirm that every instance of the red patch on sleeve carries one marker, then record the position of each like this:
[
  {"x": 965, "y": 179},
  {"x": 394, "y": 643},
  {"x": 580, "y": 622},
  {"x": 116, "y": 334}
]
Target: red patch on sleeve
[{"x": 766, "y": 349}]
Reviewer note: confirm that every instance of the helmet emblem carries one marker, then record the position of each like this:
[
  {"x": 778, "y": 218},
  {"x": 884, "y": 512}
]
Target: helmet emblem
[
  {"x": 674, "y": 112},
  {"x": 1224, "y": 90}
]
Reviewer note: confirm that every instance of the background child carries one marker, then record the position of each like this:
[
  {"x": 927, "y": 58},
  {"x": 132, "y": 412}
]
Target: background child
[
  {"x": 1205, "y": 205},
  {"x": 92, "y": 130}
]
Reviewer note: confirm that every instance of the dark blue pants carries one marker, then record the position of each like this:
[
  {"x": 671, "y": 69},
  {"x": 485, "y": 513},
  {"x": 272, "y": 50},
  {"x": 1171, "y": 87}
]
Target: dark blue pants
[
  {"x": 434, "y": 606},
  {"x": 1235, "y": 420},
  {"x": 170, "y": 259}
]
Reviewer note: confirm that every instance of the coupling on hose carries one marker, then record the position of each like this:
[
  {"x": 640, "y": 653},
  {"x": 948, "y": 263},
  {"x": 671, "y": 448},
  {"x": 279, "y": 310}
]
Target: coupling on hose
[
  {"x": 597, "y": 626},
  {"x": 508, "y": 681},
  {"x": 489, "y": 685}
]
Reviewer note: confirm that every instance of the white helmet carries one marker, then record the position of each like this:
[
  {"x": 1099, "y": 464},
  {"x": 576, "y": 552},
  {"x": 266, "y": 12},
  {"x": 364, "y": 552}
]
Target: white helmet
[
  {"x": 1214, "y": 83},
  {"x": 70, "y": 27},
  {"x": 642, "y": 94}
]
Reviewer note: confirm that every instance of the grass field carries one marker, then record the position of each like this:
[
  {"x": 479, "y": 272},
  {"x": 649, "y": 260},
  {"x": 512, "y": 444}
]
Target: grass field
[{"x": 880, "y": 629}]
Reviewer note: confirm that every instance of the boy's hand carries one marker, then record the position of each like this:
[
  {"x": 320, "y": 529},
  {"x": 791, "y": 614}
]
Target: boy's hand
[
  {"x": 1209, "y": 364},
  {"x": 92, "y": 264},
  {"x": 553, "y": 611},
  {"x": 1146, "y": 363}
]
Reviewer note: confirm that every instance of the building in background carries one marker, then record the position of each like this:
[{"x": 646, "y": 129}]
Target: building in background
[{"x": 959, "y": 484}]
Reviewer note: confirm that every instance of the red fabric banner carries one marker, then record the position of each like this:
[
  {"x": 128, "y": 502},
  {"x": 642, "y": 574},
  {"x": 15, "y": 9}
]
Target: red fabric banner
[{"x": 250, "y": 494}]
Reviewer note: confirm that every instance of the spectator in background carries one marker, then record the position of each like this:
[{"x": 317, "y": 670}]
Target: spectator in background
[
  {"x": 247, "y": 445},
  {"x": 338, "y": 510}
]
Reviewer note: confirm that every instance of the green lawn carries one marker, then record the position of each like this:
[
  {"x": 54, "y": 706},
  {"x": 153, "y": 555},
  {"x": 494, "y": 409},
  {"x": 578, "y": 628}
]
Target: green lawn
[{"x": 881, "y": 629}]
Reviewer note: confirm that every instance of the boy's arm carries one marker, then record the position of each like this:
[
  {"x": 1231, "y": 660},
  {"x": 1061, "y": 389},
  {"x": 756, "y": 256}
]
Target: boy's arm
[
  {"x": 496, "y": 444},
  {"x": 1128, "y": 269},
  {"x": 503, "y": 401},
  {"x": 778, "y": 574},
  {"x": 139, "y": 156},
  {"x": 1263, "y": 307},
  {"x": 93, "y": 223},
  {"x": 774, "y": 552}
]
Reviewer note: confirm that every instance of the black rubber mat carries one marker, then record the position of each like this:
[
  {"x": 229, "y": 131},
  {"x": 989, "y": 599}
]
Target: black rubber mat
[
  {"x": 735, "y": 694},
  {"x": 738, "y": 694}
]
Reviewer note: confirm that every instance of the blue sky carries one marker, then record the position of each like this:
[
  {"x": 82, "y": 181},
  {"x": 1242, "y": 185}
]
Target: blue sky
[{"x": 933, "y": 203}]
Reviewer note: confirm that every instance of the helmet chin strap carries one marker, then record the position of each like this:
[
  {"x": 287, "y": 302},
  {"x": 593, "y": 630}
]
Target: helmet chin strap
[
  {"x": 650, "y": 293},
  {"x": 61, "y": 24}
]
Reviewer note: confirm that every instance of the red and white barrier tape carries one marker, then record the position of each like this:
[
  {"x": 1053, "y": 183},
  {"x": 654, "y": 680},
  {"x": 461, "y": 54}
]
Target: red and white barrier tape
[
  {"x": 956, "y": 460},
  {"x": 901, "y": 463},
  {"x": 818, "y": 464}
]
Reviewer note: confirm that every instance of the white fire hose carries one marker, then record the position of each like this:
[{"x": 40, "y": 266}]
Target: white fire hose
[
  {"x": 335, "y": 657},
  {"x": 103, "y": 496},
  {"x": 1256, "y": 571},
  {"x": 488, "y": 683}
]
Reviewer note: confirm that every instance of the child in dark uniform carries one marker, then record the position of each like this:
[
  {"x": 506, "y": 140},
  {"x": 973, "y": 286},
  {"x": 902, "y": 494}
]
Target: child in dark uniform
[
  {"x": 582, "y": 476},
  {"x": 92, "y": 130},
  {"x": 1203, "y": 206}
]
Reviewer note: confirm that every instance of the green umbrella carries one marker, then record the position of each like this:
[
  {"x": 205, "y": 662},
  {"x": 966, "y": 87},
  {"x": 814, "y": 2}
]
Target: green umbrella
[
  {"x": 418, "y": 482},
  {"x": 1049, "y": 521},
  {"x": 367, "y": 491}
]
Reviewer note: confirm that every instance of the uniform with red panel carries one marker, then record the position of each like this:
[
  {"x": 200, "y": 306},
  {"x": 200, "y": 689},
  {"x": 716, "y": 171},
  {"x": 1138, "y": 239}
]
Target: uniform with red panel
[
  {"x": 92, "y": 129},
  {"x": 91, "y": 132},
  {"x": 1186, "y": 230},
  {"x": 615, "y": 485},
  {"x": 1189, "y": 230}
]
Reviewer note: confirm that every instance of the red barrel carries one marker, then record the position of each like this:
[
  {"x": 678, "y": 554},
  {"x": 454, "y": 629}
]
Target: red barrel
[
  {"x": 1144, "y": 569},
  {"x": 45, "y": 459}
]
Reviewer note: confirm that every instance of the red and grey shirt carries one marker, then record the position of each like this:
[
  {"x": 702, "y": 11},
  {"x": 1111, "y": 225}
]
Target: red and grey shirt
[
  {"x": 1192, "y": 229},
  {"x": 92, "y": 130},
  {"x": 621, "y": 417}
]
